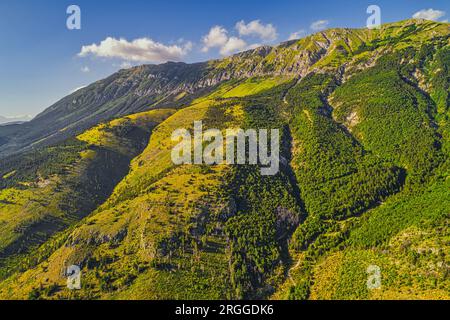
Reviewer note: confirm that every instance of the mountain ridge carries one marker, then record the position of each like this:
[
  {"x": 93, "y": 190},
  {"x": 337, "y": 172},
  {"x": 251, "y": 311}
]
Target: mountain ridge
[
  {"x": 364, "y": 181},
  {"x": 153, "y": 86}
]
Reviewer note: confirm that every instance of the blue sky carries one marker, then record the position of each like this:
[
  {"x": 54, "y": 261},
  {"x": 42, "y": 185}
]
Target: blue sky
[{"x": 40, "y": 60}]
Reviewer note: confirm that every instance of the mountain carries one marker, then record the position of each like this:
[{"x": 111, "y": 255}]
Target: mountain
[
  {"x": 176, "y": 84},
  {"x": 363, "y": 182}
]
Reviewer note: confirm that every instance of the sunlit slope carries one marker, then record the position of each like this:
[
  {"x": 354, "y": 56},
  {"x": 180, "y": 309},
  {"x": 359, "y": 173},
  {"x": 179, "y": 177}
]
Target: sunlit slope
[
  {"x": 408, "y": 239},
  {"x": 408, "y": 236},
  {"x": 171, "y": 231},
  {"x": 330, "y": 49},
  {"x": 363, "y": 181},
  {"x": 47, "y": 191},
  {"x": 386, "y": 113},
  {"x": 243, "y": 88},
  {"x": 148, "y": 218}
]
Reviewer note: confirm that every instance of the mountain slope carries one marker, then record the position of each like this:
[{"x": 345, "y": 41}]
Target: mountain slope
[
  {"x": 176, "y": 84},
  {"x": 49, "y": 190},
  {"x": 363, "y": 181}
]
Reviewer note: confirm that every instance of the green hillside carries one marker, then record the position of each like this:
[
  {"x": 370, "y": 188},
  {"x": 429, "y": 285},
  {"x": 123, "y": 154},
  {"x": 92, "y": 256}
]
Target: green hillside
[
  {"x": 364, "y": 180},
  {"x": 49, "y": 190}
]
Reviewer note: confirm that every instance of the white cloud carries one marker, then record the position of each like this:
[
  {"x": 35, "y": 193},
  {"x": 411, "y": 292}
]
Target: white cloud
[
  {"x": 141, "y": 50},
  {"x": 216, "y": 38},
  {"x": 253, "y": 46},
  {"x": 233, "y": 45},
  {"x": 429, "y": 14},
  {"x": 126, "y": 65},
  {"x": 255, "y": 28},
  {"x": 85, "y": 69},
  {"x": 319, "y": 25},
  {"x": 297, "y": 35},
  {"x": 76, "y": 89},
  {"x": 11, "y": 119}
]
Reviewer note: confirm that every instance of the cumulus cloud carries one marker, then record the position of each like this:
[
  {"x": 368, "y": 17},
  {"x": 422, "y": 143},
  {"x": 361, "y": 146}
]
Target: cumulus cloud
[
  {"x": 76, "y": 89},
  {"x": 125, "y": 65},
  {"x": 219, "y": 37},
  {"x": 253, "y": 46},
  {"x": 85, "y": 69},
  {"x": 429, "y": 14},
  {"x": 233, "y": 45},
  {"x": 216, "y": 38},
  {"x": 255, "y": 28},
  {"x": 319, "y": 25},
  {"x": 297, "y": 35},
  {"x": 139, "y": 50}
]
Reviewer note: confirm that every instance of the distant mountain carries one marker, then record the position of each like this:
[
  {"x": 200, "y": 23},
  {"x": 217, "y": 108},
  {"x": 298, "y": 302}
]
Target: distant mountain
[
  {"x": 14, "y": 120},
  {"x": 175, "y": 84},
  {"x": 363, "y": 191}
]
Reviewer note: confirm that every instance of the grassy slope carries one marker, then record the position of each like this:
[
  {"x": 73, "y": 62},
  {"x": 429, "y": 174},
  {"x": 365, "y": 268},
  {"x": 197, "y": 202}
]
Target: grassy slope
[
  {"x": 391, "y": 115},
  {"x": 220, "y": 232},
  {"x": 54, "y": 191},
  {"x": 146, "y": 220},
  {"x": 408, "y": 235},
  {"x": 166, "y": 227}
]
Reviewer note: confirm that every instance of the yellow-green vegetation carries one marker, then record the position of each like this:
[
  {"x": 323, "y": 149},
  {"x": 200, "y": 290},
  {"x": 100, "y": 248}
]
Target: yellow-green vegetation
[
  {"x": 254, "y": 86},
  {"x": 156, "y": 231},
  {"x": 218, "y": 93},
  {"x": 364, "y": 181},
  {"x": 146, "y": 231},
  {"x": 60, "y": 185},
  {"x": 155, "y": 160},
  {"x": 108, "y": 135},
  {"x": 414, "y": 265},
  {"x": 9, "y": 174},
  {"x": 380, "y": 111},
  {"x": 180, "y": 96},
  {"x": 245, "y": 88},
  {"x": 343, "y": 46}
]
